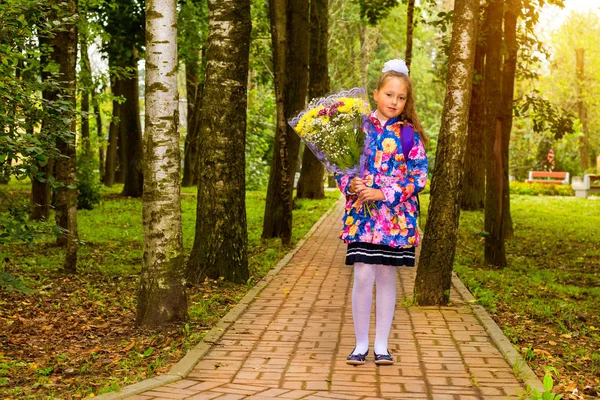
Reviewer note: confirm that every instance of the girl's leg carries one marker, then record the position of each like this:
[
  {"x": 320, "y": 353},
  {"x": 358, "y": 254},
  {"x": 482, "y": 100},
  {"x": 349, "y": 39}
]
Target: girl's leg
[
  {"x": 385, "y": 305},
  {"x": 362, "y": 298}
]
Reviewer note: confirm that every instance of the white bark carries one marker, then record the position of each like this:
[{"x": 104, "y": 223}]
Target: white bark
[{"x": 162, "y": 282}]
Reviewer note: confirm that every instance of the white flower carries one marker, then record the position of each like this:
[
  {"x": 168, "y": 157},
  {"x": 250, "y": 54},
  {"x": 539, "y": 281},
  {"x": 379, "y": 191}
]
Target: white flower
[{"x": 395, "y": 65}]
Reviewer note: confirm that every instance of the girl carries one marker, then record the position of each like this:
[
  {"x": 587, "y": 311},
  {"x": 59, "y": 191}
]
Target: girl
[{"x": 387, "y": 238}]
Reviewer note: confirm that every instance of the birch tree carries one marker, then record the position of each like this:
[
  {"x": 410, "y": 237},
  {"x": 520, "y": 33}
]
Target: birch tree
[
  {"x": 432, "y": 286},
  {"x": 161, "y": 295},
  {"x": 221, "y": 240}
]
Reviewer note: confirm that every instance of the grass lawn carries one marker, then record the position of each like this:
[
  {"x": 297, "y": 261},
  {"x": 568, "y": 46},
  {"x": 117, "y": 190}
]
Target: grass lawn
[
  {"x": 74, "y": 335},
  {"x": 547, "y": 301}
]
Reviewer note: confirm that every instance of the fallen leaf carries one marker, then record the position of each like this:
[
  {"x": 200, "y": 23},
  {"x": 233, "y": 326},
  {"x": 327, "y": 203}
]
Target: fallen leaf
[
  {"x": 570, "y": 387},
  {"x": 551, "y": 342},
  {"x": 130, "y": 346},
  {"x": 94, "y": 350}
]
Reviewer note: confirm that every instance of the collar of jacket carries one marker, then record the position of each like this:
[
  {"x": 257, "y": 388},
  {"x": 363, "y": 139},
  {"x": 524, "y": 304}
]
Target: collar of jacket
[{"x": 377, "y": 123}]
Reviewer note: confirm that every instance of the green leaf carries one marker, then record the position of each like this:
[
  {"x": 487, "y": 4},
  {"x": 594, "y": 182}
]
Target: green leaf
[
  {"x": 548, "y": 383},
  {"x": 148, "y": 352}
]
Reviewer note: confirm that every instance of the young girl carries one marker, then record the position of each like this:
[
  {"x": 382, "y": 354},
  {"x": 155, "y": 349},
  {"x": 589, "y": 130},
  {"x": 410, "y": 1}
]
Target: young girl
[{"x": 387, "y": 238}]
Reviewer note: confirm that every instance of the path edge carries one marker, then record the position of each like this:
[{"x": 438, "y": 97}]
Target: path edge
[
  {"x": 514, "y": 359},
  {"x": 184, "y": 366}
]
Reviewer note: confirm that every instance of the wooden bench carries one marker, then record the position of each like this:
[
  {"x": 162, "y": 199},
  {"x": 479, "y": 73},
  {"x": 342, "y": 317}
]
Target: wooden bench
[
  {"x": 553, "y": 178},
  {"x": 590, "y": 185}
]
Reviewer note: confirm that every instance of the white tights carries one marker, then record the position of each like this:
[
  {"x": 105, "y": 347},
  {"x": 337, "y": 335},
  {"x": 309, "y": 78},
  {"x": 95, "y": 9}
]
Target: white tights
[{"x": 365, "y": 275}]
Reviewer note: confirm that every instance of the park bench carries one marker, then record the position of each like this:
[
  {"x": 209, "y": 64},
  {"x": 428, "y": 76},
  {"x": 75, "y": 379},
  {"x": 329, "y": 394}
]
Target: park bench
[
  {"x": 590, "y": 185},
  {"x": 554, "y": 178}
]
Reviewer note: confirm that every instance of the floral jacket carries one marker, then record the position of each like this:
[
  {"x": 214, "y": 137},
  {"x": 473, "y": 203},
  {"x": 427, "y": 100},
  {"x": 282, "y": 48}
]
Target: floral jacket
[{"x": 394, "y": 223}]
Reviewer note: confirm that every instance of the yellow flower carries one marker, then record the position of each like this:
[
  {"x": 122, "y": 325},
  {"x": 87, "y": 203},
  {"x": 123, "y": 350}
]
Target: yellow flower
[
  {"x": 389, "y": 145},
  {"x": 349, "y": 220},
  {"x": 353, "y": 230}
]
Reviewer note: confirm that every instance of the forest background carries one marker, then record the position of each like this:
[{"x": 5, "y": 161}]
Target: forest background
[{"x": 555, "y": 107}]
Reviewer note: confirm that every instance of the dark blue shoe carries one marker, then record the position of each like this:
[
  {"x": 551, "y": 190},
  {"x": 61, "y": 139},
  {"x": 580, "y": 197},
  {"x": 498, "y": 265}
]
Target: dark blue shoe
[
  {"x": 384, "y": 359},
  {"x": 356, "y": 359}
]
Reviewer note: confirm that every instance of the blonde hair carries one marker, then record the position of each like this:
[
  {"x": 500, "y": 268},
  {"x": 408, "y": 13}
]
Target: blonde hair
[{"x": 409, "y": 113}]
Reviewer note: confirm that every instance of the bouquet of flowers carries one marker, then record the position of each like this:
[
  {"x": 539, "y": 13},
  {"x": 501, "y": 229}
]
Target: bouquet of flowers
[{"x": 331, "y": 127}]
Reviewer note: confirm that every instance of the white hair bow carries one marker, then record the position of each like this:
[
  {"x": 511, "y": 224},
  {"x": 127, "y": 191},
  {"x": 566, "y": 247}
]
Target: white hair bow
[{"x": 395, "y": 65}]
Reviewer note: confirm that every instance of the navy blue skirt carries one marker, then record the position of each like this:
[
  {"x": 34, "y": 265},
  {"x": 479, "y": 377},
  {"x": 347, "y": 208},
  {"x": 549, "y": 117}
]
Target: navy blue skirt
[{"x": 369, "y": 253}]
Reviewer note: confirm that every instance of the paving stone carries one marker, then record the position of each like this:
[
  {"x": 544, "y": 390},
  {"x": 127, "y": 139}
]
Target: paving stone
[{"x": 292, "y": 339}]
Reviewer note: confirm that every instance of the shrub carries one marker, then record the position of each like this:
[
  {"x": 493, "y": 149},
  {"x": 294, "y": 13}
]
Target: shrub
[{"x": 540, "y": 189}]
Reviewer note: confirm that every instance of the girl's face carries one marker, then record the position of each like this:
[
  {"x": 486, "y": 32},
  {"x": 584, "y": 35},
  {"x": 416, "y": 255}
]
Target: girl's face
[{"x": 391, "y": 98}]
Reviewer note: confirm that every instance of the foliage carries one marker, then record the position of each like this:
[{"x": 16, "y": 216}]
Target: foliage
[
  {"x": 540, "y": 189},
  {"x": 192, "y": 29},
  {"x": 124, "y": 23},
  {"x": 579, "y": 31},
  {"x": 547, "y": 394},
  {"x": 85, "y": 323},
  {"x": 22, "y": 107},
  {"x": 15, "y": 226},
  {"x": 260, "y": 136},
  {"x": 374, "y": 10},
  {"x": 88, "y": 184},
  {"x": 553, "y": 316}
]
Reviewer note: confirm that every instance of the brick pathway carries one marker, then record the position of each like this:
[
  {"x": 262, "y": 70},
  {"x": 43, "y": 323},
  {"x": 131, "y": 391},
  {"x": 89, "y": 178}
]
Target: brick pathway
[{"x": 292, "y": 341}]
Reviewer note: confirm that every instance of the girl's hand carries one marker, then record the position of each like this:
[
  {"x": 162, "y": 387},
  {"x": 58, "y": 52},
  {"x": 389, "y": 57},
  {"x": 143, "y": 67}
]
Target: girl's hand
[
  {"x": 356, "y": 185},
  {"x": 368, "y": 194}
]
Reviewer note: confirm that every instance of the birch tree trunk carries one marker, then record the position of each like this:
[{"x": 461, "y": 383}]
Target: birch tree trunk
[
  {"x": 161, "y": 295},
  {"x": 65, "y": 55},
  {"x": 432, "y": 286},
  {"x": 494, "y": 253},
  {"x": 310, "y": 184},
  {"x": 221, "y": 242}
]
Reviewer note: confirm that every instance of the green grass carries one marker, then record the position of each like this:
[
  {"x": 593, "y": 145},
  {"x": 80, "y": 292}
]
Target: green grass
[
  {"x": 547, "y": 300},
  {"x": 85, "y": 323}
]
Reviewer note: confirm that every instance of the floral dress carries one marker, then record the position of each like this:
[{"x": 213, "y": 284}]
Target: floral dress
[{"x": 390, "y": 234}]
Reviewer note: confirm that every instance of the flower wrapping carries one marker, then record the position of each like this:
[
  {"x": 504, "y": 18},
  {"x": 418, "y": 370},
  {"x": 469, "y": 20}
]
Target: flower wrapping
[{"x": 331, "y": 127}]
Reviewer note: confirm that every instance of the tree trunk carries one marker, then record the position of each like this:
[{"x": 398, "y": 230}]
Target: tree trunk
[
  {"x": 221, "y": 241},
  {"x": 494, "y": 221},
  {"x": 194, "y": 105},
  {"x": 409, "y": 31},
  {"x": 99, "y": 133},
  {"x": 86, "y": 83},
  {"x": 278, "y": 210},
  {"x": 65, "y": 55},
  {"x": 131, "y": 130},
  {"x": 584, "y": 159},
  {"x": 508, "y": 93},
  {"x": 310, "y": 184},
  {"x": 161, "y": 295},
  {"x": 432, "y": 285},
  {"x": 40, "y": 189},
  {"x": 473, "y": 185},
  {"x": 113, "y": 135}
]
